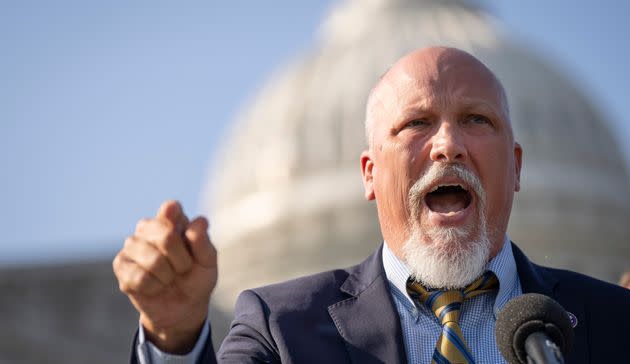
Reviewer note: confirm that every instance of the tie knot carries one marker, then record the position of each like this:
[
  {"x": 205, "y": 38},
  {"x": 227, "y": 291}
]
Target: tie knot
[{"x": 446, "y": 305}]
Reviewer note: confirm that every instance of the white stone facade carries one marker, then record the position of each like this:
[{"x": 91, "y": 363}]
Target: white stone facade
[{"x": 289, "y": 198}]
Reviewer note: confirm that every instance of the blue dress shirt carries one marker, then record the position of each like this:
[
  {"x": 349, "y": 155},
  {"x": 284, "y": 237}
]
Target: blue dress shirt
[{"x": 421, "y": 328}]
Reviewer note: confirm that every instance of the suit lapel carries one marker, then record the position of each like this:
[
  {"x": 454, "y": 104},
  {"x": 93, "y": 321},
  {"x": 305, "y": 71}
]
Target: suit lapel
[
  {"x": 536, "y": 279},
  {"x": 368, "y": 320}
]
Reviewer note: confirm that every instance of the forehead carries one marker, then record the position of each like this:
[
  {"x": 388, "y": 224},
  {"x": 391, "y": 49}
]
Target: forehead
[{"x": 443, "y": 80}]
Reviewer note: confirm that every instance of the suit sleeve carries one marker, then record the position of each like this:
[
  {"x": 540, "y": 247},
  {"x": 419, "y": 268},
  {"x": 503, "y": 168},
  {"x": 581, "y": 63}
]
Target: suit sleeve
[
  {"x": 249, "y": 339},
  {"x": 203, "y": 352}
]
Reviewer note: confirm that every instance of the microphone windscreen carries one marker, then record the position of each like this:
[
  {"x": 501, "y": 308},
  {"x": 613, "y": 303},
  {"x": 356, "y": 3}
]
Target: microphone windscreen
[{"x": 525, "y": 315}]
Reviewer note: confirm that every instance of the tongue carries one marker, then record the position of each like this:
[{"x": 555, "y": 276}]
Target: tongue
[{"x": 446, "y": 202}]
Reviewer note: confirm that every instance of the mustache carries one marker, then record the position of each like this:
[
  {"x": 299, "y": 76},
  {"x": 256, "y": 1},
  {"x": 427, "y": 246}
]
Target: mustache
[{"x": 439, "y": 171}]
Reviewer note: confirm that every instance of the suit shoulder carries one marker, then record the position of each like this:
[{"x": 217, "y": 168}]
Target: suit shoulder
[
  {"x": 316, "y": 289},
  {"x": 314, "y": 293},
  {"x": 588, "y": 288}
]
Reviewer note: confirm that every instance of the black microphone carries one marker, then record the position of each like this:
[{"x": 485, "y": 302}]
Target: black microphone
[{"x": 534, "y": 329}]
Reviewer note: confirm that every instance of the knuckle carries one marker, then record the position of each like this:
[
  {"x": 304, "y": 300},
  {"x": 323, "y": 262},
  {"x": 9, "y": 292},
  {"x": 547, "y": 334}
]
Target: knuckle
[
  {"x": 116, "y": 264},
  {"x": 124, "y": 287},
  {"x": 142, "y": 223},
  {"x": 155, "y": 262},
  {"x": 140, "y": 281},
  {"x": 128, "y": 242},
  {"x": 170, "y": 240}
]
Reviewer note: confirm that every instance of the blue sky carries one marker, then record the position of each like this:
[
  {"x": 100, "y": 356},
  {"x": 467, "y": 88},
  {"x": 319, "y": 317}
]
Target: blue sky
[{"x": 108, "y": 108}]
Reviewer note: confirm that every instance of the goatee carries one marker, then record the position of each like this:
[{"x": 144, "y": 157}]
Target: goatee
[{"x": 446, "y": 257}]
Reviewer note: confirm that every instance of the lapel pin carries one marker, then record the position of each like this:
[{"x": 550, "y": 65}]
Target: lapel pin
[{"x": 573, "y": 319}]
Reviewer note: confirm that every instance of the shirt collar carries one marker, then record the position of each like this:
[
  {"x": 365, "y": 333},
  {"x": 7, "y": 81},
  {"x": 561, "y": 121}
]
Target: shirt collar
[{"x": 502, "y": 265}]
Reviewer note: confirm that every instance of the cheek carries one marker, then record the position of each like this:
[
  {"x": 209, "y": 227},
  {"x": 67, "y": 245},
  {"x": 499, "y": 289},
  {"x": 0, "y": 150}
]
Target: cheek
[
  {"x": 394, "y": 177},
  {"x": 414, "y": 156},
  {"x": 390, "y": 178},
  {"x": 497, "y": 176}
]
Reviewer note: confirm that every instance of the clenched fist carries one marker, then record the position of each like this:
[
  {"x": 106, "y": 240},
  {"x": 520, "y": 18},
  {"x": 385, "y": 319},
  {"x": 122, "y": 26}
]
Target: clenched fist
[{"x": 168, "y": 269}]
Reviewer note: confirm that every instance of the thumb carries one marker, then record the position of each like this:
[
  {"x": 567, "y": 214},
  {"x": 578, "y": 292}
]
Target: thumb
[{"x": 201, "y": 247}]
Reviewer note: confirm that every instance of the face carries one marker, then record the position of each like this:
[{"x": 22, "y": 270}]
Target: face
[{"x": 442, "y": 164}]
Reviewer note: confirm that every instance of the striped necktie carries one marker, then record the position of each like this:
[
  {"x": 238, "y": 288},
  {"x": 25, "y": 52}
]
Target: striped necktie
[{"x": 451, "y": 348}]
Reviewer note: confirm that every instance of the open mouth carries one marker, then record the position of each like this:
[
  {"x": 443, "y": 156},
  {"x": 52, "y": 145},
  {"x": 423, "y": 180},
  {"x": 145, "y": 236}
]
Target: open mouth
[{"x": 448, "y": 198}]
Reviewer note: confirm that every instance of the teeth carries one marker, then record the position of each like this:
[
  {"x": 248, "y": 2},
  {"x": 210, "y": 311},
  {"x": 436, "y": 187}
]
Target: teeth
[{"x": 448, "y": 185}]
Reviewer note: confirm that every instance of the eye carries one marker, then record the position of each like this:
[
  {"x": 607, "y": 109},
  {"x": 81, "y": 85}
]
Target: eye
[
  {"x": 476, "y": 119},
  {"x": 417, "y": 123}
]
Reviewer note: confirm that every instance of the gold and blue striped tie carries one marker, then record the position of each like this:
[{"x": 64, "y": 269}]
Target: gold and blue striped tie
[{"x": 451, "y": 348}]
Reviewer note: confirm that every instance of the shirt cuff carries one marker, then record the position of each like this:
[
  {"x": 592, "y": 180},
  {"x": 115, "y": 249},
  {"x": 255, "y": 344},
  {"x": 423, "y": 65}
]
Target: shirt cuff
[{"x": 150, "y": 354}]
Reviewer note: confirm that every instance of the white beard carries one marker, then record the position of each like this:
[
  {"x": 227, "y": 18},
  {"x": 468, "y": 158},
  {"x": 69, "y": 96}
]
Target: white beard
[{"x": 446, "y": 257}]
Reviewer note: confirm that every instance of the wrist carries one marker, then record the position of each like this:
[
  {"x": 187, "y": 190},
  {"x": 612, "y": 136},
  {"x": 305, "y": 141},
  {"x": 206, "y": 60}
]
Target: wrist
[{"x": 178, "y": 339}]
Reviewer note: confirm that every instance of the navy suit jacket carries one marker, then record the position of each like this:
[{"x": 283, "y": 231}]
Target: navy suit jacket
[{"x": 348, "y": 316}]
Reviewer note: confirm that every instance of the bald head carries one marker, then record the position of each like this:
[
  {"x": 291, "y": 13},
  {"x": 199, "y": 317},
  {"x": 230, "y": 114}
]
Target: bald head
[
  {"x": 429, "y": 67},
  {"x": 436, "y": 110}
]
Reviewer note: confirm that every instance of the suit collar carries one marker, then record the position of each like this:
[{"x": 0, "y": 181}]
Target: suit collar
[
  {"x": 533, "y": 278},
  {"x": 364, "y": 274},
  {"x": 368, "y": 320}
]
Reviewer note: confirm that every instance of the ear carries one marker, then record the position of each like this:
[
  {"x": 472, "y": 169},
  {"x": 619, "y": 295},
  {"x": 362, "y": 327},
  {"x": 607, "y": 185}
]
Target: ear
[
  {"x": 518, "y": 160},
  {"x": 367, "y": 170}
]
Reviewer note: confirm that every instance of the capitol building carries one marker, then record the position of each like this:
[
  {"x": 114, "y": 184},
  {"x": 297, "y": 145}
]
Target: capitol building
[{"x": 286, "y": 197}]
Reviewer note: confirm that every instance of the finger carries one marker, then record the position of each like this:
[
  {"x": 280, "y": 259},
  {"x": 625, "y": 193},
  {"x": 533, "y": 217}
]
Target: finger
[
  {"x": 172, "y": 211},
  {"x": 162, "y": 235},
  {"x": 132, "y": 279},
  {"x": 149, "y": 258},
  {"x": 202, "y": 249}
]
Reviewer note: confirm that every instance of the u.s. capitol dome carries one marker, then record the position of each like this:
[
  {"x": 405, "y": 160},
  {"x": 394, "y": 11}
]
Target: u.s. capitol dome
[{"x": 286, "y": 198}]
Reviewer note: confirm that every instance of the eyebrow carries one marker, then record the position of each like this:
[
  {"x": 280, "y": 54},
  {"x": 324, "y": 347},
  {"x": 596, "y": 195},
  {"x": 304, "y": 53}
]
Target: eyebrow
[
  {"x": 496, "y": 112},
  {"x": 467, "y": 103},
  {"x": 472, "y": 103}
]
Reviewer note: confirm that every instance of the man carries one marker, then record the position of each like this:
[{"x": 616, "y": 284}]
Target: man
[{"x": 442, "y": 166}]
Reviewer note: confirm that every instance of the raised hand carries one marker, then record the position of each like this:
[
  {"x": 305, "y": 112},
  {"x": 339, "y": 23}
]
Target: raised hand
[{"x": 168, "y": 269}]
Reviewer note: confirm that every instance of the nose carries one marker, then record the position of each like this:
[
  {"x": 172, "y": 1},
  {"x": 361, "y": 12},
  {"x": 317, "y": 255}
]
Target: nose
[{"x": 447, "y": 145}]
